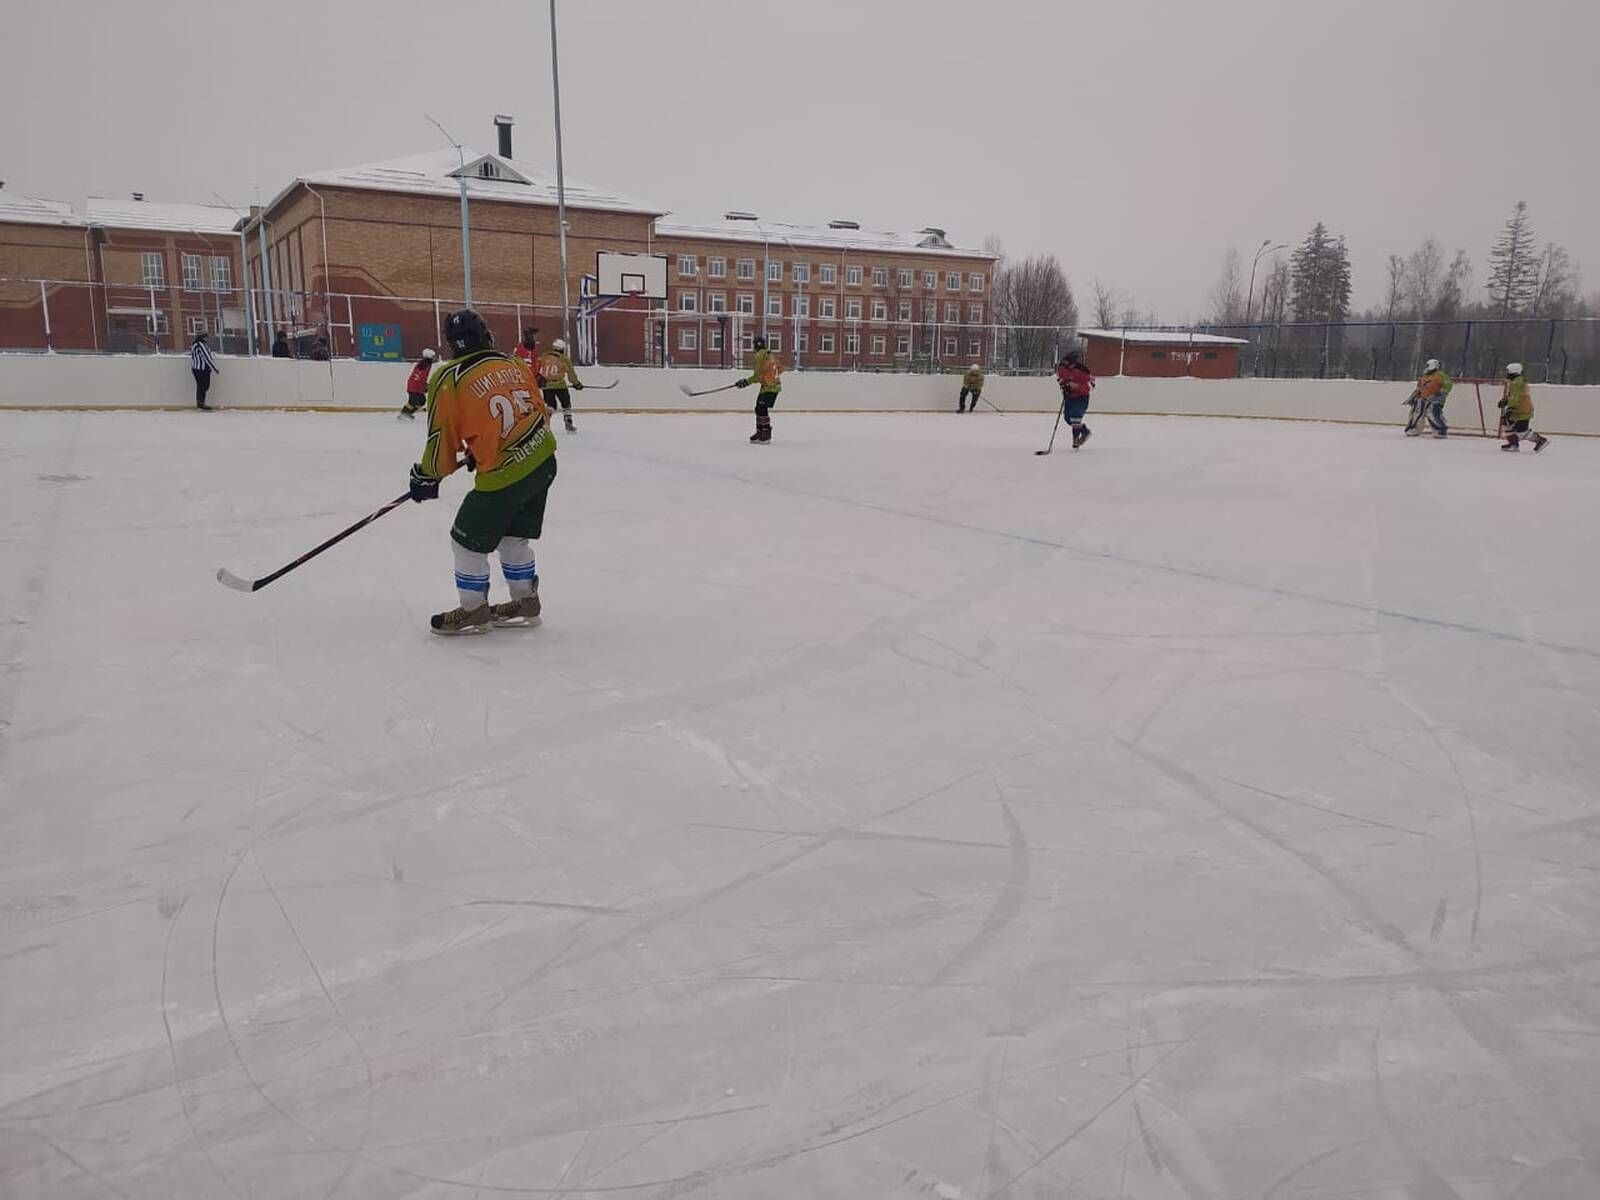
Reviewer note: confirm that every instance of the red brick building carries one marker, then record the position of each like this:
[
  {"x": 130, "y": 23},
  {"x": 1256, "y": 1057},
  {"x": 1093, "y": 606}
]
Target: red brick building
[
  {"x": 380, "y": 244},
  {"x": 824, "y": 296},
  {"x": 1159, "y": 354}
]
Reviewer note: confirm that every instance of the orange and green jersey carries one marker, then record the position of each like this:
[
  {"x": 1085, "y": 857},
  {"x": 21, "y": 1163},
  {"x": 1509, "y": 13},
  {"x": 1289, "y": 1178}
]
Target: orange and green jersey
[
  {"x": 1519, "y": 400},
  {"x": 557, "y": 370},
  {"x": 487, "y": 403},
  {"x": 1435, "y": 383},
  {"x": 767, "y": 372},
  {"x": 972, "y": 379}
]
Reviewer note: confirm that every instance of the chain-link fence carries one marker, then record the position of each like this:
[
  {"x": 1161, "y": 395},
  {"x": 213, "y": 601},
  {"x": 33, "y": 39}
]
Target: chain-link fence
[{"x": 76, "y": 317}]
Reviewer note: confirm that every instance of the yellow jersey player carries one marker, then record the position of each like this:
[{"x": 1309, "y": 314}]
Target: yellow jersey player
[
  {"x": 1516, "y": 412},
  {"x": 971, "y": 385},
  {"x": 767, "y": 371},
  {"x": 558, "y": 373},
  {"x": 488, "y": 405}
]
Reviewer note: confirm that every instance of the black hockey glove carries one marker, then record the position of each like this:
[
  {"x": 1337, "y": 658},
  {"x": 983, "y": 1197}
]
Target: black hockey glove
[
  {"x": 742, "y": 383},
  {"x": 469, "y": 462},
  {"x": 577, "y": 386},
  {"x": 422, "y": 486}
]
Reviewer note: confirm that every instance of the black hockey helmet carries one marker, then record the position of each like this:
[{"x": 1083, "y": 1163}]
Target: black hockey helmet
[
  {"x": 760, "y": 342},
  {"x": 530, "y": 337},
  {"x": 466, "y": 332}
]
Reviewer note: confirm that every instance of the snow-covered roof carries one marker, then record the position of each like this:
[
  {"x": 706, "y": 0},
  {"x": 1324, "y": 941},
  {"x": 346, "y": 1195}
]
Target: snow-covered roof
[
  {"x": 34, "y": 210},
  {"x": 1163, "y": 337},
  {"x": 822, "y": 237},
  {"x": 509, "y": 180},
  {"x": 173, "y": 218}
]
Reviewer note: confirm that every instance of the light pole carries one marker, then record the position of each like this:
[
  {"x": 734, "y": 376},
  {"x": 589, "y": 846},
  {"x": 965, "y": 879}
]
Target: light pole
[
  {"x": 766, "y": 258},
  {"x": 244, "y": 270},
  {"x": 466, "y": 236},
  {"x": 1266, "y": 248},
  {"x": 561, "y": 184}
]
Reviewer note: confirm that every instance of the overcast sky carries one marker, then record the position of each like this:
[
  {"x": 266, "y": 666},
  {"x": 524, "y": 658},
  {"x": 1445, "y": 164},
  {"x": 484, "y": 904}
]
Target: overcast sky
[{"x": 1135, "y": 139}]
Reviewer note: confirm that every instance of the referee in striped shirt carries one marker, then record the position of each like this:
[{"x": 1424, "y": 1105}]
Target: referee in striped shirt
[{"x": 202, "y": 365}]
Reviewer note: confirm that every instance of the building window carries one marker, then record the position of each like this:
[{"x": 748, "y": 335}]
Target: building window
[
  {"x": 975, "y": 314},
  {"x": 775, "y": 305},
  {"x": 221, "y": 273},
  {"x": 974, "y": 347},
  {"x": 688, "y": 266},
  {"x": 852, "y": 309},
  {"x": 1208, "y": 354},
  {"x": 745, "y": 302},
  {"x": 151, "y": 270},
  {"x": 852, "y": 277},
  {"x": 930, "y": 280},
  {"x": 1158, "y": 354},
  {"x": 688, "y": 301},
  {"x": 975, "y": 281},
  {"x": 802, "y": 272},
  {"x": 156, "y": 322},
  {"x": 747, "y": 268},
  {"x": 952, "y": 313},
  {"x": 880, "y": 276},
  {"x": 903, "y": 313},
  {"x": 717, "y": 268},
  {"x": 194, "y": 275},
  {"x": 852, "y": 343},
  {"x": 880, "y": 346},
  {"x": 195, "y": 325},
  {"x": 827, "y": 273},
  {"x": 930, "y": 311},
  {"x": 714, "y": 338},
  {"x": 774, "y": 340},
  {"x": 950, "y": 347},
  {"x": 802, "y": 342},
  {"x": 905, "y": 278},
  {"x": 774, "y": 271},
  {"x": 747, "y": 341},
  {"x": 827, "y": 307},
  {"x": 902, "y": 346},
  {"x": 688, "y": 339},
  {"x": 802, "y": 306},
  {"x": 880, "y": 310},
  {"x": 952, "y": 281},
  {"x": 717, "y": 302},
  {"x": 825, "y": 343}
]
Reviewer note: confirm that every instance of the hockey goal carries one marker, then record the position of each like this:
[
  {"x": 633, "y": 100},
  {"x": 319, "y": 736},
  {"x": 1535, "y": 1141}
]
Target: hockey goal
[{"x": 1472, "y": 399}]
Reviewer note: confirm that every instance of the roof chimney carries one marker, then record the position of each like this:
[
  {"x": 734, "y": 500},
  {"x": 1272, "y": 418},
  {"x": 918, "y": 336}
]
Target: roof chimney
[
  {"x": 502, "y": 128},
  {"x": 138, "y": 195},
  {"x": 839, "y": 224}
]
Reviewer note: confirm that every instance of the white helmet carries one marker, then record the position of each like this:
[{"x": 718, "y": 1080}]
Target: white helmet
[
  {"x": 1513, "y": 369},
  {"x": 429, "y": 354},
  {"x": 559, "y": 346},
  {"x": 974, "y": 367},
  {"x": 1431, "y": 365}
]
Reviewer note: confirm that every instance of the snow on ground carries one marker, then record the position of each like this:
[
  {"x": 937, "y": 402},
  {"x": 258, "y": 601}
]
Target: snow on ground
[{"x": 884, "y": 813}]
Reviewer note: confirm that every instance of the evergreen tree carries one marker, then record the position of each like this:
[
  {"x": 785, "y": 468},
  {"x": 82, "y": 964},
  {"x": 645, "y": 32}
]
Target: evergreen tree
[
  {"x": 1515, "y": 266},
  {"x": 1320, "y": 273}
]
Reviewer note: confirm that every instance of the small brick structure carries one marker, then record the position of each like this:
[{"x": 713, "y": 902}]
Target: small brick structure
[{"x": 1159, "y": 354}]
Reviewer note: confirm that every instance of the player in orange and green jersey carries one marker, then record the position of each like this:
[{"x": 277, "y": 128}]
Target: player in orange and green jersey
[
  {"x": 1516, "y": 412},
  {"x": 558, "y": 374},
  {"x": 488, "y": 404},
  {"x": 768, "y": 372}
]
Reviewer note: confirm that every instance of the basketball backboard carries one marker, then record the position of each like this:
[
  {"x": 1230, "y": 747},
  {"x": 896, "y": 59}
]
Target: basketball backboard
[{"x": 631, "y": 275}]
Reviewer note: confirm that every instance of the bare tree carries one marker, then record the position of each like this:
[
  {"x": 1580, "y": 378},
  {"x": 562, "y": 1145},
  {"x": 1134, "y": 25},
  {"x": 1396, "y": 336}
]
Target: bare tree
[
  {"x": 1227, "y": 294},
  {"x": 1032, "y": 296},
  {"x": 1394, "y": 290},
  {"x": 1557, "y": 292},
  {"x": 1107, "y": 304}
]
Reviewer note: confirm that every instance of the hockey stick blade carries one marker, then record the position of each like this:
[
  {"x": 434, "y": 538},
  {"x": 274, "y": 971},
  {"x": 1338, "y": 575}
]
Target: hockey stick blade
[
  {"x": 684, "y": 388},
  {"x": 1041, "y": 453},
  {"x": 600, "y": 387},
  {"x": 228, "y": 579}
]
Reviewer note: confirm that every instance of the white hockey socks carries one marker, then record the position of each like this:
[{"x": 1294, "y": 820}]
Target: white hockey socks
[
  {"x": 516, "y": 561},
  {"x": 472, "y": 576}
]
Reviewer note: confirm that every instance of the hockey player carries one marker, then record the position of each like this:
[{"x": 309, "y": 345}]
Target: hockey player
[
  {"x": 1076, "y": 381},
  {"x": 488, "y": 404},
  {"x": 417, "y": 385},
  {"x": 768, "y": 371},
  {"x": 555, "y": 372},
  {"x": 1433, "y": 389},
  {"x": 1516, "y": 411},
  {"x": 528, "y": 349},
  {"x": 971, "y": 385}
]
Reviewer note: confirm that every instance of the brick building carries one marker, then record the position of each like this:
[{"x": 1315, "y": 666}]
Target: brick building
[
  {"x": 825, "y": 296},
  {"x": 125, "y": 275},
  {"x": 1156, "y": 354},
  {"x": 380, "y": 245}
]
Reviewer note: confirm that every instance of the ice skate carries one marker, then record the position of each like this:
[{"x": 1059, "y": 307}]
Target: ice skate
[
  {"x": 1080, "y": 435},
  {"x": 460, "y": 621},
  {"x": 566, "y": 420},
  {"x": 1539, "y": 442},
  {"x": 407, "y": 414},
  {"x": 520, "y": 612},
  {"x": 1511, "y": 445}
]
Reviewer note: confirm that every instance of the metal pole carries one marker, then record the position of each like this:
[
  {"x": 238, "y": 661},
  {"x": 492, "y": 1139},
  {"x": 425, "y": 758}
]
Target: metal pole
[
  {"x": 249, "y": 300},
  {"x": 561, "y": 180},
  {"x": 766, "y": 272},
  {"x": 44, "y": 303},
  {"x": 466, "y": 234},
  {"x": 266, "y": 273}
]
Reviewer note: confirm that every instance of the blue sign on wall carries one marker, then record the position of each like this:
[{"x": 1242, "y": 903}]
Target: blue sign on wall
[{"x": 380, "y": 343}]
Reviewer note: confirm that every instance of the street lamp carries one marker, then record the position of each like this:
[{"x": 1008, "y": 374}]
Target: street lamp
[
  {"x": 1266, "y": 248},
  {"x": 766, "y": 257},
  {"x": 466, "y": 237},
  {"x": 561, "y": 184},
  {"x": 244, "y": 270}
]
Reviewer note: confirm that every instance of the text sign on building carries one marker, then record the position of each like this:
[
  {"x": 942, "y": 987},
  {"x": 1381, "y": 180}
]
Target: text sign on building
[{"x": 380, "y": 343}]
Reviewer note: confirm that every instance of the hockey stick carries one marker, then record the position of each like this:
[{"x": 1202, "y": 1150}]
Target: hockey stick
[
  {"x": 1053, "y": 430},
  {"x": 684, "y": 388},
  {"x": 991, "y": 404},
  {"x": 228, "y": 579},
  {"x": 598, "y": 387}
]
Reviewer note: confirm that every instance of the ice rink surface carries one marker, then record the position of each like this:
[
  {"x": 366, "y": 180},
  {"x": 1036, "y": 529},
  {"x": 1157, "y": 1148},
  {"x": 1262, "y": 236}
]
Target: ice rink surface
[{"x": 885, "y": 813}]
